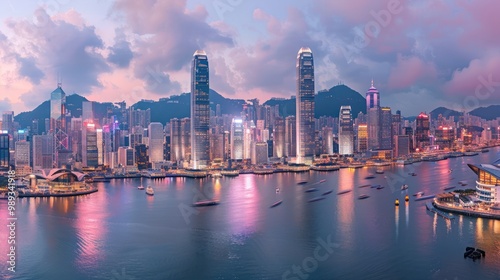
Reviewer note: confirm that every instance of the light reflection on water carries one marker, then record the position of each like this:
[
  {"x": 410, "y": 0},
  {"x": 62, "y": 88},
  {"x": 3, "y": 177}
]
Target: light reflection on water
[{"x": 120, "y": 227}]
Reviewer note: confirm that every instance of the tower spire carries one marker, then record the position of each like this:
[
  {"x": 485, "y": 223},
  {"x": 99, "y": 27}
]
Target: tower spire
[{"x": 372, "y": 82}]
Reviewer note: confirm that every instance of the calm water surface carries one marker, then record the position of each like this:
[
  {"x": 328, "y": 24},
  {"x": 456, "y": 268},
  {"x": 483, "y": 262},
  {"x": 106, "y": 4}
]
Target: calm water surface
[{"x": 120, "y": 233}]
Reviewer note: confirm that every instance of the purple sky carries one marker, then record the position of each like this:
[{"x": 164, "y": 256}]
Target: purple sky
[{"x": 421, "y": 54}]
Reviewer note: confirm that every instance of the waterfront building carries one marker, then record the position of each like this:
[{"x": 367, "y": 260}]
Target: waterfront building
[
  {"x": 444, "y": 136},
  {"x": 385, "y": 128},
  {"x": 488, "y": 181},
  {"x": 279, "y": 137},
  {"x": 175, "y": 140},
  {"x": 186, "y": 139},
  {"x": 90, "y": 152},
  {"x": 156, "y": 138},
  {"x": 200, "y": 110},
  {"x": 327, "y": 140},
  {"x": 422, "y": 128},
  {"x": 126, "y": 157},
  {"x": 248, "y": 138},
  {"x": 402, "y": 147},
  {"x": 43, "y": 151},
  {"x": 290, "y": 136},
  {"x": 362, "y": 138},
  {"x": 346, "y": 133},
  {"x": 58, "y": 121},
  {"x": 22, "y": 154},
  {"x": 237, "y": 139},
  {"x": 305, "y": 141},
  {"x": 4, "y": 151},
  {"x": 373, "y": 117},
  {"x": 259, "y": 153}
]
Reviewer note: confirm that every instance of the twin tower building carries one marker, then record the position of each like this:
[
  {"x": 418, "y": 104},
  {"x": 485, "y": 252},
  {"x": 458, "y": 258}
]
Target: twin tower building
[
  {"x": 305, "y": 120},
  {"x": 200, "y": 108}
]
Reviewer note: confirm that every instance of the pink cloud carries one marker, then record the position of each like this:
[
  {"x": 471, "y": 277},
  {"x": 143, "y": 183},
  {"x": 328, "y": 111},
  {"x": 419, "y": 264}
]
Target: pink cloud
[{"x": 409, "y": 71}]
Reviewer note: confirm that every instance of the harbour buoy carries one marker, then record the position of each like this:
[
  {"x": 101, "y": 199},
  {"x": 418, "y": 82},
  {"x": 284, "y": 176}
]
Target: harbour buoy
[
  {"x": 396, "y": 202},
  {"x": 407, "y": 198}
]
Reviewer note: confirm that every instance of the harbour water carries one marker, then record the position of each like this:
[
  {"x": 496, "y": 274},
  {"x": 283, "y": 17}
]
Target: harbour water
[{"x": 121, "y": 233}]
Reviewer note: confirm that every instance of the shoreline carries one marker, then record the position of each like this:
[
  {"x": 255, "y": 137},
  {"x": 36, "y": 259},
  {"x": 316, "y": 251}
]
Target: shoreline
[
  {"x": 77, "y": 193},
  {"x": 470, "y": 213}
]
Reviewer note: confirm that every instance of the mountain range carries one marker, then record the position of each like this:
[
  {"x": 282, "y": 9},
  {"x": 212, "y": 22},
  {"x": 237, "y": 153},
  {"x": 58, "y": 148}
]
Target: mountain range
[{"x": 327, "y": 103}]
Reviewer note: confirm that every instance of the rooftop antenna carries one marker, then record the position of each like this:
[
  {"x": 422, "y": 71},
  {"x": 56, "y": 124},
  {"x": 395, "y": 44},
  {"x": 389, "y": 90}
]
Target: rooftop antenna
[
  {"x": 372, "y": 82},
  {"x": 59, "y": 80}
]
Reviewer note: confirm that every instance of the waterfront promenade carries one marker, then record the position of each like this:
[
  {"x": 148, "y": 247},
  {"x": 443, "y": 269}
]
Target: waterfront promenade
[{"x": 473, "y": 212}]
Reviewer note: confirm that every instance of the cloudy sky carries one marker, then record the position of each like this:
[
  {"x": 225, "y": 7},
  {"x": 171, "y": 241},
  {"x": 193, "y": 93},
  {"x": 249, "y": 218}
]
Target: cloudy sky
[{"x": 421, "y": 54}]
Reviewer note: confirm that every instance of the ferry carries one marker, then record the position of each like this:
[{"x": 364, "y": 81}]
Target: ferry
[
  {"x": 263, "y": 170},
  {"x": 363, "y": 196},
  {"x": 150, "y": 191},
  {"x": 419, "y": 194},
  {"x": 356, "y": 165},
  {"x": 206, "y": 203},
  {"x": 230, "y": 172},
  {"x": 471, "y": 153},
  {"x": 379, "y": 171},
  {"x": 216, "y": 175},
  {"x": 404, "y": 187},
  {"x": 325, "y": 167},
  {"x": 140, "y": 187},
  {"x": 370, "y": 177}
]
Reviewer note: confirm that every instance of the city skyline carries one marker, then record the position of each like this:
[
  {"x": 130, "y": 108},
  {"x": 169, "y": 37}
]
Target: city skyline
[{"x": 118, "y": 55}]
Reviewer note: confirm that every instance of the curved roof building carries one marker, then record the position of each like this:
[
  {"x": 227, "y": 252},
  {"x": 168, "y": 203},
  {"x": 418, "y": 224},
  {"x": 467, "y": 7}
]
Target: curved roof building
[{"x": 488, "y": 181}]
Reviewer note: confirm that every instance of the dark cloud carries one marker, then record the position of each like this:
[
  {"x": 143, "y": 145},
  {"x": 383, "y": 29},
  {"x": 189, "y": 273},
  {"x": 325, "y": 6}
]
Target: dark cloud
[
  {"x": 60, "y": 48},
  {"x": 167, "y": 36},
  {"x": 120, "y": 53}
]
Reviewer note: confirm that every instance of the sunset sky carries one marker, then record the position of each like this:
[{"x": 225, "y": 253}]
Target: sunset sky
[{"x": 421, "y": 54}]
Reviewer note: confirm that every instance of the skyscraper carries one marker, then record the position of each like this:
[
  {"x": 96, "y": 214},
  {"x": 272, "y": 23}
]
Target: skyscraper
[
  {"x": 237, "y": 138},
  {"x": 346, "y": 133},
  {"x": 373, "y": 118},
  {"x": 58, "y": 122},
  {"x": 385, "y": 128},
  {"x": 305, "y": 105},
  {"x": 4, "y": 151},
  {"x": 362, "y": 138},
  {"x": 155, "y": 130},
  {"x": 200, "y": 110},
  {"x": 90, "y": 151},
  {"x": 43, "y": 150},
  {"x": 422, "y": 131},
  {"x": 291, "y": 136},
  {"x": 279, "y": 137}
]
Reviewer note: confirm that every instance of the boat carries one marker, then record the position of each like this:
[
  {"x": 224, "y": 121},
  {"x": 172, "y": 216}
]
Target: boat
[
  {"x": 101, "y": 179},
  {"x": 150, "y": 191},
  {"x": 375, "y": 186},
  {"x": 206, "y": 203},
  {"x": 363, "y": 196},
  {"x": 404, "y": 187},
  {"x": 379, "y": 171},
  {"x": 277, "y": 190},
  {"x": 380, "y": 187},
  {"x": 325, "y": 167},
  {"x": 396, "y": 202},
  {"x": 407, "y": 198},
  {"x": 355, "y": 165},
  {"x": 412, "y": 174},
  {"x": 230, "y": 172},
  {"x": 369, "y": 177},
  {"x": 449, "y": 188},
  {"x": 343, "y": 192},
  {"x": 263, "y": 170},
  {"x": 463, "y": 183},
  {"x": 365, "y": 186},
  {"x": 471, "y": 153},
  {"x": 216, "y": 175},
  {"x": 485, "y": 150},
  {"x": 419, "y": 194},
  {"x": 316, "y": 199},
  {"x": 322, "y": 181},
  {"x": 140, "y": 187},
  {"x": 276, "y": 204},
  {"x": 311, "y": 190},
  {"x": 424, "y": 197},
  {"x": 302, "y": 183},
  {"x": 327, "y": 192}
]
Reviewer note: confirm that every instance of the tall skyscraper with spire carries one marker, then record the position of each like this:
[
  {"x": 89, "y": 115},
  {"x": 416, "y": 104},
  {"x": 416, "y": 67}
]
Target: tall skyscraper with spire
[
  {"x": 200, "y": 110},
  {"x": 58, "y": 123},
  {"x": 373, "y": 112},
  {"x": 305, "y": 105}
]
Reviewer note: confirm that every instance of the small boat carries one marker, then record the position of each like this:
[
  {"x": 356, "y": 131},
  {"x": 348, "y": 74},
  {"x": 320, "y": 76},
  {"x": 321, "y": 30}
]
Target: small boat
[
  {"x": 404, "y": 187},
  {"x": 316, "y": 199},
  {"x": 277, "y": 190},
  {"x": 363, "y": 196},
  {"x": 150, "y": 191},
  {"x": 396, "y": 202},
  {"x": 302, "y": 183},
  {"x": 380, "y": 187},
  {"x": 407, "y": 198},
  {"x": 327, "y": 192},
  {"x": 379, "y": 171},
  {"x": 322, "y": 181},
  {"x": 424, "y": 197},
  {"x": 206, "y": 203},
  {"x": 419, "y": 194},
  {"x": 369, "y": 177},
  {"x": 276, "y": 204},
  {"x": 364, "y": 186},
  {"x": 463, "y": 183},
  {"x": 375, "y": 186},
  {"x": 311, "y": 190},
  {"x": 449, "y": 188},
  {"x": 140, "y": 187},
  {"x": 412, "y": 174},
  {"x": 343, "y": 192}
]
